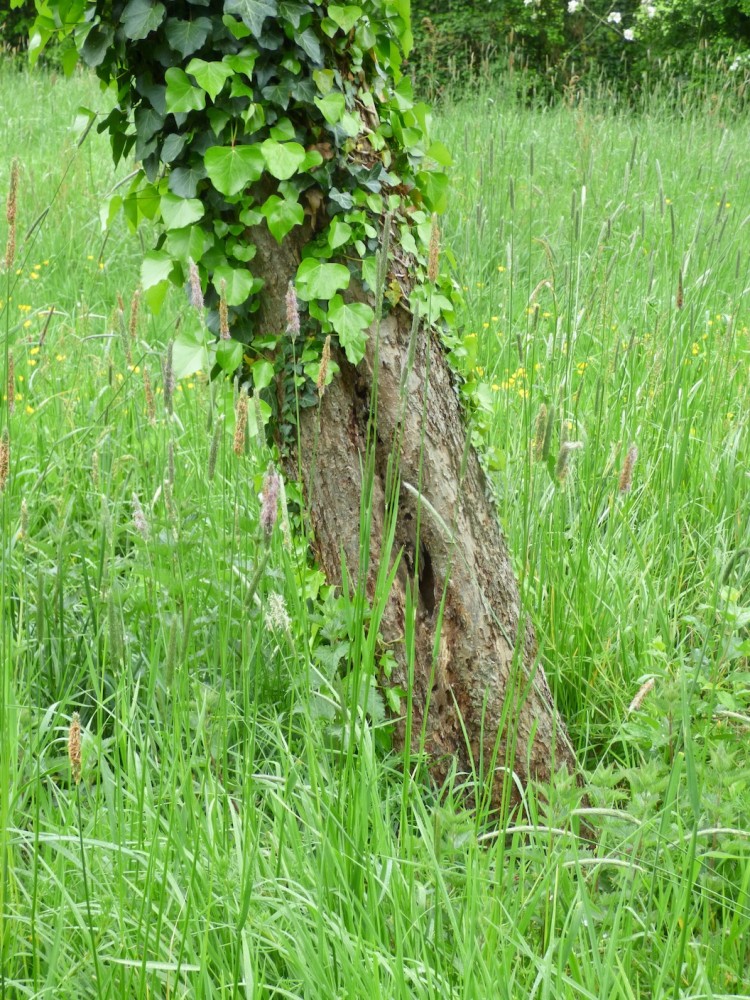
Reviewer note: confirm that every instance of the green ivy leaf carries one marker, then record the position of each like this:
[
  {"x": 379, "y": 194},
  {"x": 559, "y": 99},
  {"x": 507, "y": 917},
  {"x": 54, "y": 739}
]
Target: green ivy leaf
[
  {"x": 339, "y": 233},
  {"x": 434, "y": 188},
  {"x": 239, "y": 283},
  {"x": 282, "y": 215},
  {"x": 98, "y": 40},
  {"x": 156, "y": 269},
  {"x": 229, "y": 355},
  {"x": 345, "y": 17},
  {"x": 350, "y": 320},
  {"x": 252, "y": 12},
  {"x": 140, "y": 18},
  {"x": 187, "y": 37},
  {"x": 180, "y": 212},
  {"x": 182, "y": 96},
  {"x": 332, "y": 107},
  {"x": 317, "y": 279},
  {"x": 211, "y": 76},
  {"x": 232, "y": 168},
  {"x": 183, "y": 181},
  {"x": 189, "y": 351},
  {"x": 282, "y": 158},
  {"x": 262, "y": 374}
]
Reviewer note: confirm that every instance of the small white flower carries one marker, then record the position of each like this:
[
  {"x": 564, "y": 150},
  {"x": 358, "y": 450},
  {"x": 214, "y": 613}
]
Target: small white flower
[
  {"x": 573, "y": 6},
  {"x": 628, "y": 35},
  {"x": 527, "y": 3},
  {"x": 735, "y": 66},
  {"x": 651, "y": 10},
  {"x": 614, "y": 17}
]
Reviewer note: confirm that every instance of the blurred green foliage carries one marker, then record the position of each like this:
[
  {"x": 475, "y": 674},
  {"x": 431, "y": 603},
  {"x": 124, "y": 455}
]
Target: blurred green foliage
[{"x": 557, "y": 41}]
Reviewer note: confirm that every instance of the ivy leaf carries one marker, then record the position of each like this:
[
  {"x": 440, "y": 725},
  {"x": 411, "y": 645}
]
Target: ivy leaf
[
  {"x": 332, "y": 107},
  {"x": 187, "y": 37},
  {"x": 210, "y": 75},
  {"x": 282, "y": 215},
  {"x": 350, "y": 320},
  {"x": 183, "y": 181},
  {"x": 156, "y": 269},
  {"x": 262, "y": 374},
  {"x": 96, "y": 44},
  {"x": 317, "y": 279},
  {"x": 308, "y": 42},
  {"x": 252, "y": 12},
  {"x": 434, "y": 188},
  {"x": 189, "y": 352},
  {"x": 339, "y": 233},
  {"x": 239, "y": 283},
  {"x": 140, "y": 18},
  {"x": 181, "y": 94},
  {"x": 229, "y": 355},
  {"x": 345, "y": 17},
  {"x": 180, "y": 212},
  {"x": 232, "y": 168},
  {"x": 282, "y": 158}
]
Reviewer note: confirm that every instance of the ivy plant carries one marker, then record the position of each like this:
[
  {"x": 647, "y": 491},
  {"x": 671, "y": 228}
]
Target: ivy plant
[{"x": 248, "y": 113}]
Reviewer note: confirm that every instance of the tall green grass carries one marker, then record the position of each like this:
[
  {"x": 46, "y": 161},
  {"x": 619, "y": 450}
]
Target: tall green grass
[{"x": 219, "y": 843}]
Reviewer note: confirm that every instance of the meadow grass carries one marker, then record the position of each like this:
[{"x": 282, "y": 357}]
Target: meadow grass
[{"x": 219, "y": 843}]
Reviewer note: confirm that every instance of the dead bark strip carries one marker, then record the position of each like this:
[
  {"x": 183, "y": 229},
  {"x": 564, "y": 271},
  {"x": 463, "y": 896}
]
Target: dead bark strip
[{"x": 484, "y": 704}]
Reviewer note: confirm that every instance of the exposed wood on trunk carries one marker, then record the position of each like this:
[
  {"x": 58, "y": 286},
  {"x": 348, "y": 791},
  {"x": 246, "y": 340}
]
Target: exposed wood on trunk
[{"x": 478, "y": 684}]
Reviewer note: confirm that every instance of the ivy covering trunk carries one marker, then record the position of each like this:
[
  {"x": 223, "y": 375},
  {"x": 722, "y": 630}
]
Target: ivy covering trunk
[{"x": 277, "y": 140}]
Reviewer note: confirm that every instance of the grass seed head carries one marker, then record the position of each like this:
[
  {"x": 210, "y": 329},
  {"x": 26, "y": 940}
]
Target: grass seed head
[
  {"x": 149, "y": 394},
  {"x": 4, "y": 458},
  {"x": 434, "y": 254},
  {"x": 139, "y": 518},
  {"x": 240, "y": 427},
  {"x": 196, "y": 292},
  {"x": 323, "y": 370},
  {"x": 213, "y": 453},
  {"x": 562, "y": 466},
  {"x": 223, "y": 312},
  {"x": 11, "y": 209},
  {"x": 626, "y": 475},
  {"x": 135, "y": 303},
  {"x": 11, "y": 383},
  {"x": 540, "y": 432},
  {"x": 270, "y": 501},
  {"x": 680, "y": 299},
  {"x": 74, "y": 747},
  {"x": 292, "y": 312},
  {"x": 169, "y": 379}
]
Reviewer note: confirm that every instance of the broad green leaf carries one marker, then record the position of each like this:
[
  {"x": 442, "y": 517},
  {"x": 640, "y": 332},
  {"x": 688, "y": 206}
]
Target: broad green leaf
[
  {"x": 243, "y": 62},
  {"x": 180, "y": 212},
  {"x": 186, "y": 244},
  {"x": 262, "y": 374},
  {"x": 210, "y": 75},
  {"x": 252, "y": 12},
  {"x": 98, "y": 40},
  {"x": 316, "y": 279},
  {"x": 182, "y": 96},
  {"x": 189, "y": 352},
  {"x": 232, "y": 168},
  {"x": 140, "y": 18},
  {"x": 187, "y": 37},
  {"x": 183, "y": 181},
  {"x": 239, "y": 283},
  {"x": 332, "y": 107},
  {"x": 109, "y": 210},
  {"x": 345, "y": 17},
  {"x": 282, "y": 158},
  {"x": 339, "y": 233},
  {"x": 156, "y": 269},
  {"x": 282, "y": 215},
  {"x": 434, "y": 188},
  {"x": 229, "y": 355},
  {"x": 440, "y": 154},
  {"x": 350, "y": 320}
]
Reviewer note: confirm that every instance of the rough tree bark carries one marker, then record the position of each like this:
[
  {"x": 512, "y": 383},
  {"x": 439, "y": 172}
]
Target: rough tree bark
[{"x": 480, "y": 693}]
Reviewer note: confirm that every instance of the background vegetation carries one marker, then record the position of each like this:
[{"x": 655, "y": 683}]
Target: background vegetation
[{"x": 220, "y": 841}]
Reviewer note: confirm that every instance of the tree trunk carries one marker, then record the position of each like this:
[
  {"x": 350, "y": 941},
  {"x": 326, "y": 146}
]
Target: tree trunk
[{"x": 483, "y": 699}]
